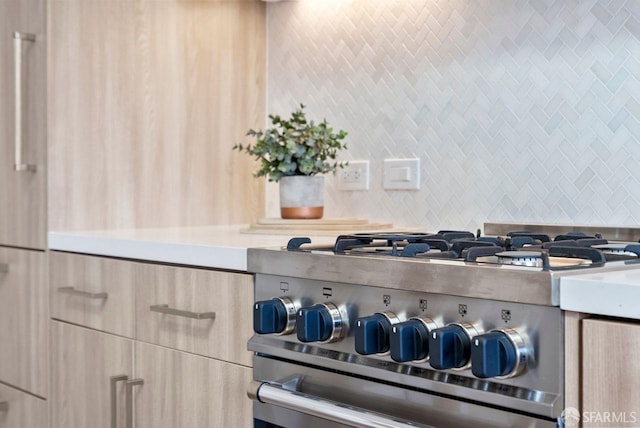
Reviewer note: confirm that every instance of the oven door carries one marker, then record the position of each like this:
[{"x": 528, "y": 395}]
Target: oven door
[{"x": 292, "y": 396}]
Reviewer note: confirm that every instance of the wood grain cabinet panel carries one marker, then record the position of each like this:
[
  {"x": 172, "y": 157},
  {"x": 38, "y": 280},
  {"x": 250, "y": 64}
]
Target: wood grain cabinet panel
[
  {"x": 19, "y": 409},
  {"x": 24, "y": 320},
  {"x": 23, "y": 201},
  {"x": 147, "y": 99},
  {"x": 228, "y": 295},
  {"x": 611, "y": 371},
  {"x": 96, "y": 292},
  {"x": 82, "y": 364},
  {"x": 185, "y": 390}
]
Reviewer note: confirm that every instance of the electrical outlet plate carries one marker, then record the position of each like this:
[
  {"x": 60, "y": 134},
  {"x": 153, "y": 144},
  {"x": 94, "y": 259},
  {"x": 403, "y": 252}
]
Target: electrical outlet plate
[
  {"x": 401, "y": 174},
  {"x": 354, "y": 176}
]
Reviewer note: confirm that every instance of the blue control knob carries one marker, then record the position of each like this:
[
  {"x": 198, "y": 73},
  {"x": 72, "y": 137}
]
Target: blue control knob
[
  {"x": 497, "y": 354},
  {"x": 409, "y": 340},
  {"x": 318, "y": 323},
  {"x": 372, "y": 334},
  {"x": 450, "y": 347},
  {"x": 273, "y": 316}
]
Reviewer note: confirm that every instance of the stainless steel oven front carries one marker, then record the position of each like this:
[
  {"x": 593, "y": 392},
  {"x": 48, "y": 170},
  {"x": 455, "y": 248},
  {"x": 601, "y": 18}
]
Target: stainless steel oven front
[
  {"x": 323, "y": 358},
  {"x": 409, "y": 329}
]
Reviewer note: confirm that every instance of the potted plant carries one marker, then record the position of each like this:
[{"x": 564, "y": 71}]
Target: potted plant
[{"x": 293, "y": 153}]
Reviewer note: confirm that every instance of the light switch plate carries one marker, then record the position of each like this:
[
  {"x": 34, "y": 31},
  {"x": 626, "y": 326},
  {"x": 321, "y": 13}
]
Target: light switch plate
[
  {"x": 401, "y": 174},
  {"x": 354, "y": 176}
]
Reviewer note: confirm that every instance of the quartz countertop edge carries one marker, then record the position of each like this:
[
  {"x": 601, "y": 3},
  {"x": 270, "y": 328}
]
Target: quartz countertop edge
[
  {"x": 220, "y": 247},
  {"x": 614, "y": 294}
]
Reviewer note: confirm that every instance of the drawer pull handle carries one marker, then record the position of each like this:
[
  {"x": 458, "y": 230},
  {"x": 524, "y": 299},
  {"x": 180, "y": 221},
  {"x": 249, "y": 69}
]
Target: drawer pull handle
[
  {"x": 114, "y": 399},
  {"x": 4, "y": 406},
  {"x": 129, "y": 400},
  {"x": 4, "y": 268},
  {"x": 165, "y": 309},
  {"x": 80, "y": 293}
]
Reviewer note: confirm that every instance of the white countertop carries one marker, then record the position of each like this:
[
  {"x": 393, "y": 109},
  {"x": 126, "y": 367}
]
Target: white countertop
[
  {"x": 610, "y": 293},
  {"x": 222, "y": 247}
]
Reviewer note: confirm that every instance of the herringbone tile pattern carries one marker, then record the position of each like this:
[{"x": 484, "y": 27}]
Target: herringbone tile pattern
[{"x": 520, "y": 110}]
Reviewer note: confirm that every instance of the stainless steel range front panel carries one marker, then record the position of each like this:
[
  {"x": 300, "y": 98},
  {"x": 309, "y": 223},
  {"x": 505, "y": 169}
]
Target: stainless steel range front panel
[{"x": 538, "y": 390}]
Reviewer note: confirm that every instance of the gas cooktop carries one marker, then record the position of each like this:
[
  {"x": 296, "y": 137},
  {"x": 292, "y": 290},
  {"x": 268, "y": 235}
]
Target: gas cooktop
[
  {"x": 522, "y": 248},
  {"x": 520, "y": 264}
]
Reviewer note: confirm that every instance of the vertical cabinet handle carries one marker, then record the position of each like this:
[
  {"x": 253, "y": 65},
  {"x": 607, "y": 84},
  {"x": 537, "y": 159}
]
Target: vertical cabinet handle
[
  {"x": 4, "y": 268},
  {"x": 4, "y": 406},
  {"x": 114, "y": 399},
  {"x": 129, "y": 400},
  {"x": 18, "y": 38}
]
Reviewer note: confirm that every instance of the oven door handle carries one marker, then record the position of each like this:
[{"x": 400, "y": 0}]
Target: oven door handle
[{"x": 281, "y": 396}]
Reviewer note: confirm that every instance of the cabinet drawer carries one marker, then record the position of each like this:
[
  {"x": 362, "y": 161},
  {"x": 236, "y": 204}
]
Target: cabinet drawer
[
  {"x": 18, "y": 409},
  {"x": 24, "y": 320},
  {"x": 96, "y": 292},
  {"x": 161, "y": 290}
]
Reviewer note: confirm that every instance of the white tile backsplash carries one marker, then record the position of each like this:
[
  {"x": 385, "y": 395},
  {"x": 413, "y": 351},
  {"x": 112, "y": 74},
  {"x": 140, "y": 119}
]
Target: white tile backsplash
[{"x": 520, "y": 110}]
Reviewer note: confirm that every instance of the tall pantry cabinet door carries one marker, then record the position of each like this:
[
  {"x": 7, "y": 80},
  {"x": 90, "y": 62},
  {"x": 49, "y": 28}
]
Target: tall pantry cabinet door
[
  {"x": 22, "y": 124},
  {"x": 186, "y": 390},
  {"x": 23, "y": 320},
  {"x": 83, "y": 362}
]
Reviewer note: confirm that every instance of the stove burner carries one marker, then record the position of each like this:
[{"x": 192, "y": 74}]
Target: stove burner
[
  {"x": 444, "y": 244},
  {"x": 521, "y": 258},
  {"x": 357, "y": 240},
  {"x": 619, "y": 249}
]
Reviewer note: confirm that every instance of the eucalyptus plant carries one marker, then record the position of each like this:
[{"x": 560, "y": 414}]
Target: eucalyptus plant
[{"x": 295, "y": 146}]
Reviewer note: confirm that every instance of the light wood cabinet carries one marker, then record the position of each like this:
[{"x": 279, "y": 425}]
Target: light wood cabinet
[
  {"x": 227, "y": 295},
  {"x": 82, "y": 364},
  {"x": 19, "y": 409},
  {"x": 185, "y": 390},
  {"x": 23, "y": 208},
  {"x": 100, "y": 292},
  {"x": 611, "y": 370},
  {"x": 22, "y": 193},
  {"x": 179, "y": 389},
  {"x": 24, "y": 320},
  {"x": 96, "y": 292}
]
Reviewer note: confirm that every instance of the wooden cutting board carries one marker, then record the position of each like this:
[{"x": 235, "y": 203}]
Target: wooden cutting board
[
  {"x": 324, "y": 226},
  {"x": 343, "y": 221}
]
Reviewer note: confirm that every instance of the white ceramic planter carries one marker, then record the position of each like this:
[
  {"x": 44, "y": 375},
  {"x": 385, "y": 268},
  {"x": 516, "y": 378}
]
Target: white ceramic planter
[{"x": 302, "y": 197}]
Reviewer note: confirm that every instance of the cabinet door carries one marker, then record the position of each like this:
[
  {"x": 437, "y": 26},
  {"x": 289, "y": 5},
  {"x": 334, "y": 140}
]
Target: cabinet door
[
  {"x": 611, "y": 369},
  {"x": 22, "y": 193},
  {"x": 19, "y": 409},
  {"x": 82, "y": 364},
  {"x": 95, "y": 292},
  {"x": 185, "y": 390},
  {"x": 23, "y": 320},
  {"x": 228, "y": 295}
]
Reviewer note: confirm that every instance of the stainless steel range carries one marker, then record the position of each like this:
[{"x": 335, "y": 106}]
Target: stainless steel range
[{"x": 414, "y": 329}]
